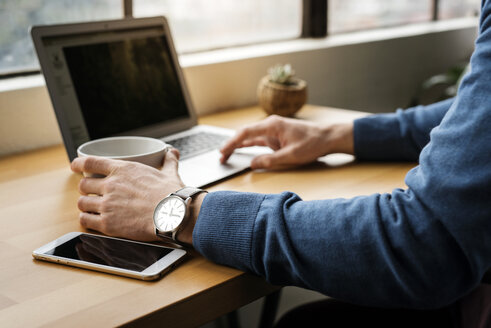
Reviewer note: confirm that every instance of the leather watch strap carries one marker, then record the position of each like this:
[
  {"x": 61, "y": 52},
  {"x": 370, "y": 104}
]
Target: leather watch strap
[{"x": 187, "y": 192}]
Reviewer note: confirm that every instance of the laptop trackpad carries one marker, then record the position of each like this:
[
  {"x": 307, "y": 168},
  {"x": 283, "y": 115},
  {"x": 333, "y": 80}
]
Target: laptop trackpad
[{"x": 206, "y": 168}]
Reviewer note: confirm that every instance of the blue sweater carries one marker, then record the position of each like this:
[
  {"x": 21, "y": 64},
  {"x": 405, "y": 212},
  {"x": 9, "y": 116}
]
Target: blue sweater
[{"x": 422, "y": 247}]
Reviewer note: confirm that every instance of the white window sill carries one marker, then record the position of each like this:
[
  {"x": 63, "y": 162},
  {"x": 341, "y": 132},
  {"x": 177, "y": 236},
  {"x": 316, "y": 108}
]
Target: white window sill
[{"x": 284, "y": 47}]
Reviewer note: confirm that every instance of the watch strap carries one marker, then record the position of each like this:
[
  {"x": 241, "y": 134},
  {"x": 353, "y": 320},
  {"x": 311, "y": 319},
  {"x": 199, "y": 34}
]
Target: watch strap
[
  {"x": 187, "y": 192},
  {"x": 168, "y": 237},
  {"x": 163, "y": 234}
]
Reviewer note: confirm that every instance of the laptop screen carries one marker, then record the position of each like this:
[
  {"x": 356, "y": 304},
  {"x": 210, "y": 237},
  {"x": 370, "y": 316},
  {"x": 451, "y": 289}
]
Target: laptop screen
[{"x": 115, "y": 82}]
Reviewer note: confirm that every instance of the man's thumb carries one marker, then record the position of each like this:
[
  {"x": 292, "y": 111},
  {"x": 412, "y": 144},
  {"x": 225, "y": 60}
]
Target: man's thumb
[
  {"x": 269, "y": 161},
  {"x": 171, "y": 160},
  {"x": 263, "y": 161}
]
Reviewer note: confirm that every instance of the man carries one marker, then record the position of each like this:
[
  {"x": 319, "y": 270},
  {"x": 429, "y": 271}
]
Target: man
[{"x": 421, "y": 248}]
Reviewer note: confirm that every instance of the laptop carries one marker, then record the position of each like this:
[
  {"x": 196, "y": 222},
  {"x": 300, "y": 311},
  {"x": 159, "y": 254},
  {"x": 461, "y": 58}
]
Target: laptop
[{"x": 123, "y": 77}]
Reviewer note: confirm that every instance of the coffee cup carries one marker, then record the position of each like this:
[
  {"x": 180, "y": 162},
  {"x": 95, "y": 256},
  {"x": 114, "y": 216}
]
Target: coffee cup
[{"x": 149, "y": 151}]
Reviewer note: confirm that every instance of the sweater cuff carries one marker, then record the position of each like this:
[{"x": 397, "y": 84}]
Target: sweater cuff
[
  {"x": 377, "y": 137},
  {"x": 223, "y": 231}
]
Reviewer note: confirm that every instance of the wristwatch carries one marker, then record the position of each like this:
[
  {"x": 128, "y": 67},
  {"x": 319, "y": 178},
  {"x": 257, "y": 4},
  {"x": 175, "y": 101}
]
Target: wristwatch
[{"x": 172, "y": 212}]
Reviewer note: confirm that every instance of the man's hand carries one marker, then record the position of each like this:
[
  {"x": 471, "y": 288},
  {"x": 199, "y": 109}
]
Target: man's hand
[
  {"x": 294, "y": 142},
  {"x": 122, "y": 203}
]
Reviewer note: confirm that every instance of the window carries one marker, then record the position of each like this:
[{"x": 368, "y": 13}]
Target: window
[
  {"x": 350, "y": 15},
  {"x": 16, "y": 49},
  {"x": 459, "y": 8},
  {"x": 208, "y": 24}
]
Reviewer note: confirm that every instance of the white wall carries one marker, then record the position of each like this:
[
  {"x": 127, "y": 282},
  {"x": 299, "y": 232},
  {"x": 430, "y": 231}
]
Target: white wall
[{"x": 371, "y": 71}]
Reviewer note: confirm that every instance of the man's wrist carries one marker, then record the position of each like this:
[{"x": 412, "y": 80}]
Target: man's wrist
[
  {"x": 340, "y": 138},
  {"x": 185, "y": 235}
]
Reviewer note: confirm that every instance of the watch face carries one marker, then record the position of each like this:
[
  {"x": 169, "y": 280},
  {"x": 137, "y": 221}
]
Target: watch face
[{"x": 169, "y": 213}]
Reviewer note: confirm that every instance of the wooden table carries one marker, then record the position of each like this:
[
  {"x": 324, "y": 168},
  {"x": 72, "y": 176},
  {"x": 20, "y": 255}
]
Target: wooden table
[{"x": 38, "y": 195}]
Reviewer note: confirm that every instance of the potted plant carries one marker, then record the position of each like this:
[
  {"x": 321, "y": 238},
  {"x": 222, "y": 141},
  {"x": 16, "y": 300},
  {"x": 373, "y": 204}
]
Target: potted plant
[{"x": 280, "y": 92}]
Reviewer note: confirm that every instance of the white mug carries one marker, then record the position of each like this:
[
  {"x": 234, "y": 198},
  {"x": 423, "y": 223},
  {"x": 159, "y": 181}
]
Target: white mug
[{"x": 149, "y": 151}]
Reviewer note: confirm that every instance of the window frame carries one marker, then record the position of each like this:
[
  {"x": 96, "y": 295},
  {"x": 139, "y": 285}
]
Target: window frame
[
  {"x": 436, "y": 10},
  {"x": 315, "y": 24}
]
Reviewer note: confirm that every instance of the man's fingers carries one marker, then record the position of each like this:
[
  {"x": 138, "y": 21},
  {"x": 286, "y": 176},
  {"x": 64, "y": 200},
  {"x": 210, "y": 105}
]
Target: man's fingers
[
  {"x": 90, "y": 204},
  {"x": 270, "y": 142},
  {"x": 91, "y": 221},
  {"x": 267, "y": 161},
  {"x": 258, "y": 141},
  {"x": 265, "y": 128},
  {"x": 92, "y": 164},
  {"x": 249, "y": 132},
  {"x": 89, "y": 186},
  {"x": 171, "y": 162}
]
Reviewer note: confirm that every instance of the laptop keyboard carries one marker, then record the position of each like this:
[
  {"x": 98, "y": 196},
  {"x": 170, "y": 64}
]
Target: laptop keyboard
[{"x": 197, "y": 143}]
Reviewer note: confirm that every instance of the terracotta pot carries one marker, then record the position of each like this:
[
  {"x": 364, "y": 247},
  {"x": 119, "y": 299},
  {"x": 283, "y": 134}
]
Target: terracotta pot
[{"x": 281, "y": 99}]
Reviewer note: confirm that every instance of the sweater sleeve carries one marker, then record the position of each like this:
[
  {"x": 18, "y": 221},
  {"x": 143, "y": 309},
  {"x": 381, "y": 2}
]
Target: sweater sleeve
[
  {"x": 422, "y": 247},
  {"x": 397, "y": 136}
]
